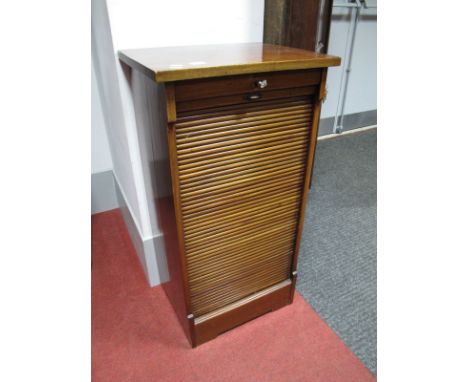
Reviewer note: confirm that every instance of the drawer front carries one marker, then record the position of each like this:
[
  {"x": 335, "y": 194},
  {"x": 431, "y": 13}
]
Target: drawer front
[
  {"x": 236, "y": 99},
  {"x": 242, "y": 84},
  {"x": 241, "y": 174}
]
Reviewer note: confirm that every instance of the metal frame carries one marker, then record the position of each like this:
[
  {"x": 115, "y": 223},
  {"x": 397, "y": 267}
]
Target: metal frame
[
  {"x": 356, "y": 7},
  {"x": 319, "y": 45}
]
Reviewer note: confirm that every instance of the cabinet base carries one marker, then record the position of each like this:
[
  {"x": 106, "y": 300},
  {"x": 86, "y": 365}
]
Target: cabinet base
[{"x": 210, "y": 325}]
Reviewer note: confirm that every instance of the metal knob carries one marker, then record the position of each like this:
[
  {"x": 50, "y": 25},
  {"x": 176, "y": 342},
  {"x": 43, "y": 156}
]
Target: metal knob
[{"x": 261, "y": 84}]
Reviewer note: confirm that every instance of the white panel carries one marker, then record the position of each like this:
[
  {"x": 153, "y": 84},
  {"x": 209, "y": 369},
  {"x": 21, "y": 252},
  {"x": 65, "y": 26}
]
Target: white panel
[
  {"x": 106, "y": 74},
  {"x": 153, "y": 147},
  {"x": 101, "y": 159}
]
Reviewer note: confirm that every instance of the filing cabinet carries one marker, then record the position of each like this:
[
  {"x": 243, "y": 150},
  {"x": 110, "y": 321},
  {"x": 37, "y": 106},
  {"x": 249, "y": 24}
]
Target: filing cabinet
[{"x": 239, "y": 123}]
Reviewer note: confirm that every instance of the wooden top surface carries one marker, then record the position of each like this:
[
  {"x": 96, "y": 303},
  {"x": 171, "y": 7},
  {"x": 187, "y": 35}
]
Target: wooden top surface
[{"x": 190, "y": 62}]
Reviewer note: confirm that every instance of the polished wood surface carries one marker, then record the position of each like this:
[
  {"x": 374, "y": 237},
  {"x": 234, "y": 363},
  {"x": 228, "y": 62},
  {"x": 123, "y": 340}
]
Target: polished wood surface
[{"x": 191, "y": 62}]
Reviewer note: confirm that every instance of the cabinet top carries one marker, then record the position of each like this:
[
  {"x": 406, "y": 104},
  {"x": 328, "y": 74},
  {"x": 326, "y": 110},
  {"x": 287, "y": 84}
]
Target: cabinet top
[{"x": 190, "y": 62}]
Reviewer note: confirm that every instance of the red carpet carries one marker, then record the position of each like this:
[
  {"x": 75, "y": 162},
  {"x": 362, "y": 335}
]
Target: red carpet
[{"x": 136, "y": 336}]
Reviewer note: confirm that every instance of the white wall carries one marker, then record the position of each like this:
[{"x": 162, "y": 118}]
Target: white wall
[
  {"x": 362, "y": 87},
  {"x": 101, "y": 159},
  {"x": 150, "y": 23},
  {"x": 118, "y": 120}
]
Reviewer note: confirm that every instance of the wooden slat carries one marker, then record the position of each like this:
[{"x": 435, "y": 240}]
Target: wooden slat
[
  {"x": 262, "y": 141},
  {"x": 216, "y": 127},
  {"x": 221, "y": 201},
  {"x": 241, "y": 184},
  {"x": 249, "y": 168},
  {"x": 201, "y": 163},
  {"x": 248, "y": 174},
  {"x": 240, "y": 274},
  {"x": 241, "y": 172},
  {"x": 234, "y": 215},
  {"x": 242, "y": 264},
  {"x": 248, "y": 162},
  {"x": 259, "y": 117},
  {"x": 220, "y": 255},
  {"x": 233, "y": 132},
  {"x": 233, "y": 264},
  {"x": 256, "y": 234},
  {"x": 247, "y": 284},
  {"x": 226, "y": 237},
  {"x": 249, "y": 259}
]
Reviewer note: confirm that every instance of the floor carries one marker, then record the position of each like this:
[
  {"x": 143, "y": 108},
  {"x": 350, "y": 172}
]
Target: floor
[
  {"x": 136, "y": 337},
  {"x": 337, "y": 262}
]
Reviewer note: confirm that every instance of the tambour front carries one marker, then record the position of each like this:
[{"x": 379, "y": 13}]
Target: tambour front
[{"x": 238, "y": 125}]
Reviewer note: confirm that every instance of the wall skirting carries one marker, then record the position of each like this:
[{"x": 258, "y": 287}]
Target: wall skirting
[
  {"x": 350, "y": 122},
  {"x": 107, "y": 195},
  {"x": 103, "y": 196}
]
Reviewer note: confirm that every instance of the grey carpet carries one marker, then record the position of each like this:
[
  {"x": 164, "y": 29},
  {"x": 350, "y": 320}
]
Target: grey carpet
[{"x": 337, "y": 261}]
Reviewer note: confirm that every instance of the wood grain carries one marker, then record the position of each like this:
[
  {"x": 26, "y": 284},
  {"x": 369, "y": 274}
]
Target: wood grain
[
  {"x": 236, "y": 244},
  {"x": 191, "y": 62}
]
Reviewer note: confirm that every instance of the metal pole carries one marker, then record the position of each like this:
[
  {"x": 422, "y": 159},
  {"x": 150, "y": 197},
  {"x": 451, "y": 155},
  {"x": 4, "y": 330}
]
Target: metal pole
[
  {"x": 346, "y": 5},
  {"x": 338, "y": 121},
  {"x": 319, "y": 44},
  {"x": 367, "y": 6}
]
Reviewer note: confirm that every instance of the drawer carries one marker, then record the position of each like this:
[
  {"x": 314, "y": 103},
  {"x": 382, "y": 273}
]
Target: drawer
[
  {"x": 242, "y": 84},
  {"x": 243, "y": 98}
]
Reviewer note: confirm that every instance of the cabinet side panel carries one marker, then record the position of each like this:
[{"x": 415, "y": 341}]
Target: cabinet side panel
[
  {"x": 177, "y": 288},
  {"x": 165, "y": 210},
  {"x": 308, "y": 173},
  {"x": 151, "y": 116}
]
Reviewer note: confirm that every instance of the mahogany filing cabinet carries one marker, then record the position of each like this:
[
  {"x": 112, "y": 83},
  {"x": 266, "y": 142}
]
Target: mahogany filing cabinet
[{"x": 236, "y": 130}]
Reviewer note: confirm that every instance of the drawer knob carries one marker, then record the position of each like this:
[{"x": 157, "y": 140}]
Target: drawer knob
[{"x": 261, "y": 84}]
